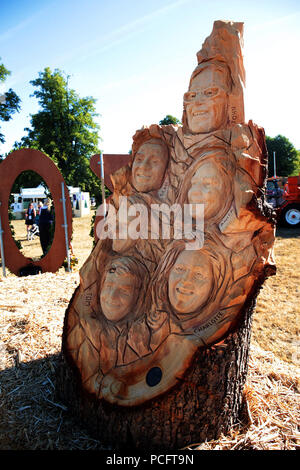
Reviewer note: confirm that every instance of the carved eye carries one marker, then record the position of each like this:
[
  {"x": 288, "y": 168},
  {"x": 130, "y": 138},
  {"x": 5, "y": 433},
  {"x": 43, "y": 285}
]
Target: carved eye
[
  {"x": 189, "y": 96},
  {"x": 198, "y": 275},
  {"x": 209, "y": 92},
  {"x": 108, "y": 285},
  {"x": 125, "y": 292},
  {"x": 207, "y": 182},
  {"x": 179, "y": 269}
]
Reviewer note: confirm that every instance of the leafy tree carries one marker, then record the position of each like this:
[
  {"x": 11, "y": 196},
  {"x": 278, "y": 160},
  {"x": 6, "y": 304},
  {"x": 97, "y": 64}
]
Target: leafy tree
[
  {"x": 287, "y": 157},
  {"x": 64, "y": 128},
  {"x": 27, "y": 179},
  {"x": 169, "y": 120},
  {"x": 10, "y": 103}
]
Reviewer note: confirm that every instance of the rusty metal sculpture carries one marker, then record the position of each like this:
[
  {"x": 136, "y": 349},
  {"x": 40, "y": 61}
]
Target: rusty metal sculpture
[{"x": 14, "y": 164}]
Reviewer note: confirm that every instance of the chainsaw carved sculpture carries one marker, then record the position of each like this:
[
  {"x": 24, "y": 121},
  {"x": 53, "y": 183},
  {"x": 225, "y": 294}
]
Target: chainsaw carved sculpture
[{"x": 145, "y": 304}]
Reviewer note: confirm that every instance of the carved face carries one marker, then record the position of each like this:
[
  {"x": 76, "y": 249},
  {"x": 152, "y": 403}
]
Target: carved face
[
  {"x": 206, "y": 102},
  {"x": 190, "y": 281},
  {"x": 118, "y": 293},
  {"x": 208, "y": 188},
  {"x": 149, "y": 166}
]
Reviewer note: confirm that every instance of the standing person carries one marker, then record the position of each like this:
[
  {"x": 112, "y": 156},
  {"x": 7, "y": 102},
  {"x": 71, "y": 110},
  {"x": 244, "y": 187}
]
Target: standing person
[
  {"x": 39, "y": 207},
  {"x": 30, "y": 216},
  {"x": 45, "y": 222}
]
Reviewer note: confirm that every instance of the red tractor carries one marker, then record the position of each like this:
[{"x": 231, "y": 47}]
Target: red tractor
[{"x": 285, "y": 200}]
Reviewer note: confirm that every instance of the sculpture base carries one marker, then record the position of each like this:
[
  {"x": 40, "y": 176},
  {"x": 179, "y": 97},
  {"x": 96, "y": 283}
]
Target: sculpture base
[{"x": 206, "y": 403}]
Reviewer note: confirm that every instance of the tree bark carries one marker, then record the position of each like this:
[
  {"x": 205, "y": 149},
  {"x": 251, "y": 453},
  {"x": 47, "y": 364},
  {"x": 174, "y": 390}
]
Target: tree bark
[{"x": 206, "y": 403}]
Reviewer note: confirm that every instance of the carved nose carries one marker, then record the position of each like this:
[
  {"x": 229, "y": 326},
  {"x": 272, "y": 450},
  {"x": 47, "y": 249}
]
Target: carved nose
[
  {"x": 186, "y": 280},
  {"x": 113, "y": 293},
  {"x": 199, "y": 98},
  {"x": 196, "y": 189},
  {"x": 195, "y": 194},
  {"x": 146, "y": 166}
]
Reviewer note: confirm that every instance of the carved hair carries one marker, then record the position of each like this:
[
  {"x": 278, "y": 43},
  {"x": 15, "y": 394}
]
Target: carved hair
[
  {"x": 217, "y": 65},
  {"x": 145, "y": 134}
]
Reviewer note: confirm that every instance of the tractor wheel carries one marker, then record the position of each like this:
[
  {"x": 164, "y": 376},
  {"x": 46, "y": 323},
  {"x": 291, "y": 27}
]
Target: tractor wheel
[{"x": 290, "y": 216}]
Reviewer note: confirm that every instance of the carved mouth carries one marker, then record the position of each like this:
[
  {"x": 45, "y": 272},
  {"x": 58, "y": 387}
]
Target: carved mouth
[
  {"x": 112, "y": 304},
  {"x": 183, "y": 291},
  {"x": 199, "y": 113},
  {"x": 196, "y": 198},
  {"x": 143, "y": 177}
]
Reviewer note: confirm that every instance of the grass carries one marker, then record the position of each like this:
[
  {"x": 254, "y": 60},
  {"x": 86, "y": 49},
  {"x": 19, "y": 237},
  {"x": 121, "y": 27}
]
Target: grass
[
  {"x": 82, "y": 243},
  {"x": 276, "y": 321}
]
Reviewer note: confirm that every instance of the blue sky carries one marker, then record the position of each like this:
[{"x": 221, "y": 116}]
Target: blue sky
[{"x": 136, "y": 58}]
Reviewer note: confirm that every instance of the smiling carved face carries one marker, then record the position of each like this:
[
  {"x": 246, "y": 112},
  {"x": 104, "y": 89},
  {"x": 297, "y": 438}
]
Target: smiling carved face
[
  {"x": 190, "y": 281},
  {"x": 206, "y": 102},
  {"x": 149, "y": 166},
  {"x": 208, "y": 188},
  {"x": 118, "y": 293}
]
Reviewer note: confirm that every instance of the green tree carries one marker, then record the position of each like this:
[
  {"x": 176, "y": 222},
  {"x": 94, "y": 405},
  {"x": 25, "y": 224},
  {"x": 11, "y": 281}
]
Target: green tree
[
  {"x": 64, "y": 128},
  {"x": 9, "y": 103},
  {"x": 27, "y": 179},
  {"x": 169, "y": 120},
  {"x": 286, "y": 156}
]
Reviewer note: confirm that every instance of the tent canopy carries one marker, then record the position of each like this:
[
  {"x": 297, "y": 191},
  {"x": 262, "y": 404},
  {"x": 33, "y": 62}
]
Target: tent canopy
[{"x": 39, "y": 192}]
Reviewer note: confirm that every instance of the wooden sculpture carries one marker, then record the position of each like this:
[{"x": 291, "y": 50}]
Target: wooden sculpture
[{"x": 157, "y": 309}]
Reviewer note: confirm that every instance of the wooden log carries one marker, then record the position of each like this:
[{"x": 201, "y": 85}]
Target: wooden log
[
  {"x": 205, "y": 403},
  {"x": 156, "y": 337}
]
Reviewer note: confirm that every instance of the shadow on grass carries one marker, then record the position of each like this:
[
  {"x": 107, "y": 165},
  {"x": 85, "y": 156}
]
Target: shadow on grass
[{"x": 31, "y": 418}]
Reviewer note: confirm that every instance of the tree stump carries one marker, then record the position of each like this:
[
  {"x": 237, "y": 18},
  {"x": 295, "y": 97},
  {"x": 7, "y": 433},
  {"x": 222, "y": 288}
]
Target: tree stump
[
  {"x": 156, "y": 337},
  {"x": 207, "y": 402}
]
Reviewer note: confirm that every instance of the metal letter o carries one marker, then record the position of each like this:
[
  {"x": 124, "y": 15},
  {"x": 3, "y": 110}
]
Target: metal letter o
[{"x": 14, "y": 164}]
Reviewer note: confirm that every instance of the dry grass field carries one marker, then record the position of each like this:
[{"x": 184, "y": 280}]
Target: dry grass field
[
  {"x": 31, "y": 318},
  {"x": 276, "y": 321}
]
